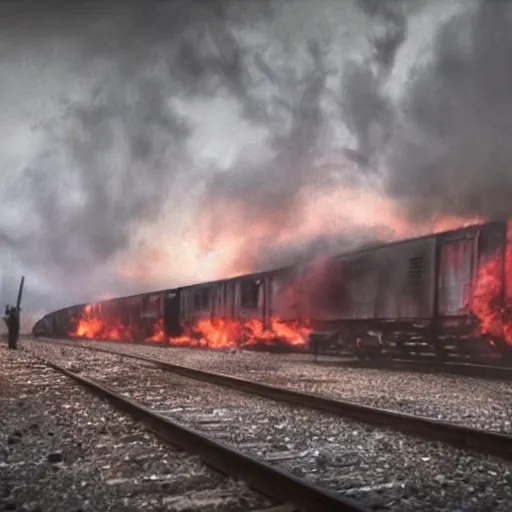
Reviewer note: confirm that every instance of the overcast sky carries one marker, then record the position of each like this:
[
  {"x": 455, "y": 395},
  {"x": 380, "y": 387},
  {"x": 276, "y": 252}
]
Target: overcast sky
[{"x": 147, "y": 145}]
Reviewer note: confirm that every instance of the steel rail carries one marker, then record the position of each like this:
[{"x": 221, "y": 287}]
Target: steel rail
[
  {"x": 459, "y": 435},
  {"x": 487, "y": 441},
  {"x": 481, "y": 371},
  {"x": 264, "y": 478}
]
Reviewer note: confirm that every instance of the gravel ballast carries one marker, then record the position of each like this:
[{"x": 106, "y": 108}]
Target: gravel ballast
[
  {"x": 463, "y": 400},
  {"x": 61, "y": 449},
  {"x": 385, "y": 470}
]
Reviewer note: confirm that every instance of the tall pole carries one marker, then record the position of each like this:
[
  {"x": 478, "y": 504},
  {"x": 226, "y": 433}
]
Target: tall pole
[
  {"x": 20, "y": 294},
  {"x": 14, "y": 319}
]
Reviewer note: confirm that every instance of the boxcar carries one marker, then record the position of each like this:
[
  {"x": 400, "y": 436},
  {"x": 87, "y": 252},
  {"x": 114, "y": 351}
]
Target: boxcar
[{"x": 424, "y": 297}]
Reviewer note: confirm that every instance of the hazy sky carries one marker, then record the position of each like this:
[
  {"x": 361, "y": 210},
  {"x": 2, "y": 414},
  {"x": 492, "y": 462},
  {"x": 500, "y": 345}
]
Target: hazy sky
[{"x": 146, "y": 145}]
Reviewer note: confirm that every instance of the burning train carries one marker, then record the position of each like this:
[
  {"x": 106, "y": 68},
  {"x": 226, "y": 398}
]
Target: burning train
[{"x": 446, "y": 296}]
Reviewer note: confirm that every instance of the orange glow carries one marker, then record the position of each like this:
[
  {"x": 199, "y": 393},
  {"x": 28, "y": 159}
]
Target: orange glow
[
  {"x": 486, "y": 300},
  {"x": 91, "y": 326},
  {"x": 229, "y": 333},
  {"x": 490, "y": 303},
  {"x": 158, "y": 335},
  {"x": 219, "y": 333},
  {"x": 226, "y": 239},
  {"x": 508, "y": 264}
]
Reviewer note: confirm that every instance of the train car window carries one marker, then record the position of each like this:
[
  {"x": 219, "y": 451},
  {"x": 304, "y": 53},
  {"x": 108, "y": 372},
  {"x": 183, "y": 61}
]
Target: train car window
[
  {"x": 202, "y": 299},
  {"x": 415, "y": 272},
  {"x": 249, "y": 293}
]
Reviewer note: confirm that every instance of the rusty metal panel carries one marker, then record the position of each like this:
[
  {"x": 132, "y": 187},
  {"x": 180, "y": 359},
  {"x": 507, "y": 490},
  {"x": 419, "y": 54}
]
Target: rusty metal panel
[{"x": 456, "y": 267}]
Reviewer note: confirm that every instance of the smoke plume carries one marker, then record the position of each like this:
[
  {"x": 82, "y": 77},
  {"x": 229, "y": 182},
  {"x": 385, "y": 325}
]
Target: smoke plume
[
  {"x": 442, "y": 144},
  {"x": 152, "y": 145}
]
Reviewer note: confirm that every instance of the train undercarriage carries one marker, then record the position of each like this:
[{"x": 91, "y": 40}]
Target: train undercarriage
[{"x": 447, "y": 340}]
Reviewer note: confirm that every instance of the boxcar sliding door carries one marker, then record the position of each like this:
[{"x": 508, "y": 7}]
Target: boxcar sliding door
[{"x": 456, "y": 270}]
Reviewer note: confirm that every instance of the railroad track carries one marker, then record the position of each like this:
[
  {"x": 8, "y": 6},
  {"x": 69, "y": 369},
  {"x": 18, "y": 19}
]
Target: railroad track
[
  {"x": 70, "y": 451},
  {"x": 369, "y": 464},
  {"x": 500, "y": 370},
  {"x": 486, "y": 441},
  {"x": 491, "y": 372},
  {"x": 268, "y": 480},
  {"x": 479, "y": 403}
]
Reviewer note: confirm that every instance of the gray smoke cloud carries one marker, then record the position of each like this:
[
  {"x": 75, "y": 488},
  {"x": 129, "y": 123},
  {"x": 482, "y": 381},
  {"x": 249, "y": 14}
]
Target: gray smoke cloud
[
  {"x": 341, "y": 93},
  {"x": 112, "y": 144},
  {"x": 443, "y": 145},
  {"x": 363, "y": 103},
  {"x": 296, "y": 113},
  {"x": 268, "y": 190}
]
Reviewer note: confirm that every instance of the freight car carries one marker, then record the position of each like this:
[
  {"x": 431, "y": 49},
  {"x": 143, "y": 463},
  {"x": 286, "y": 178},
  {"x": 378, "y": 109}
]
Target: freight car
[{"x": 440, "y": 296}]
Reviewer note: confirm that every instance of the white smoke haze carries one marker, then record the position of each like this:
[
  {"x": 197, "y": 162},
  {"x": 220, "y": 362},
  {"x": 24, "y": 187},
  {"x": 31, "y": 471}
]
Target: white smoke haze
[{"x": 151, "y": 145}]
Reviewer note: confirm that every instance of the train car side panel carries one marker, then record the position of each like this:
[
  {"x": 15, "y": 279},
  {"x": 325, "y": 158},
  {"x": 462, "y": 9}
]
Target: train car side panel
[{"x": 405, "y": 280}]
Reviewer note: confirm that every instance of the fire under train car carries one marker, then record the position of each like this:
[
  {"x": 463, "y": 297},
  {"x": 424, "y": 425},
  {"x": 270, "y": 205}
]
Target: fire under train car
[
  {"x": 421, "y": 298},
  {"x": 444, "y": 296},
  {"x": 132, "y": 319},
  {"x": 227, "y": 312},
  {"x": 470, "y": 294}
]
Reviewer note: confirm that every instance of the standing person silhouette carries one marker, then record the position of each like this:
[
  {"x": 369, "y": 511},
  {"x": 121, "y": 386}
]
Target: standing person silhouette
[{"x": 12, "y": 320}]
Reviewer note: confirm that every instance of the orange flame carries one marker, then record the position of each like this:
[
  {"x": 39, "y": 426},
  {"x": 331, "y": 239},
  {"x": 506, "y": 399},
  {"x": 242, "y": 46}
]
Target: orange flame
[
  {"x": 158, "y": 335},
  {"x": 218, "y": 333},
  {"x": 230, "y": 333},
  {"x": 91, "y": 326},
  {"x": 490, "y": 303}
]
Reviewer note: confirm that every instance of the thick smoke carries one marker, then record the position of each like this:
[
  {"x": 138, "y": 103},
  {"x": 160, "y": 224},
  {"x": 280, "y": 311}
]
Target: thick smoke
[
  {"x": 363, "y": 103},
  {"x": 108, "y": 158},
  {"x": 268, "y": 192},
  {"x": 442, "y": 145},
  {"x": 111, "y": 151},
  {"x": 262, "y": 201}
]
